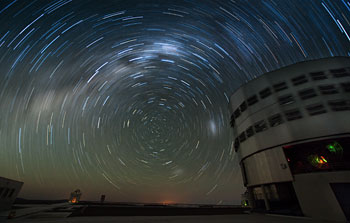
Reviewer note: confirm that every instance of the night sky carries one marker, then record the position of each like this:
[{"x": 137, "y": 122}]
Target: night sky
[{"x": 130, "y": 98}]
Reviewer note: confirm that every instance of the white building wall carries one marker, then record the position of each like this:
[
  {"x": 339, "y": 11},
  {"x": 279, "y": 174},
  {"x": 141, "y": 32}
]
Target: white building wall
[
  {"x": 316, "y": 197},
  {"x": 266, "y": 167}
]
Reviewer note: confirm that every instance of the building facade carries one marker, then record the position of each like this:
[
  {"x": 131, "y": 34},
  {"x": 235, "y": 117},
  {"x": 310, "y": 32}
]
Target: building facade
[
  {"x": 292, "y": 137},
  {"x": 9, "y": 190}
]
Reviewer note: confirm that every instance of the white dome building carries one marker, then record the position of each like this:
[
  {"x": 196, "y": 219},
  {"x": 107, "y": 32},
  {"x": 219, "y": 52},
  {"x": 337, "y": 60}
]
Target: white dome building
[{"x": 292, "y": 135}]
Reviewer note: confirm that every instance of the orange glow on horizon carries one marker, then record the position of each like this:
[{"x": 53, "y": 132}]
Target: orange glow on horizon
[{"x": 167, "y": 202}]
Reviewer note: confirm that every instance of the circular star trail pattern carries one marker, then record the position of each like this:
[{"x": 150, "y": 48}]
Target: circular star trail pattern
[{"x": 130, "y": 98}]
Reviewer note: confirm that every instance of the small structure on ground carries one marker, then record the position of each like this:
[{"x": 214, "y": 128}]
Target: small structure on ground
[{"x": 75, "y": 196}]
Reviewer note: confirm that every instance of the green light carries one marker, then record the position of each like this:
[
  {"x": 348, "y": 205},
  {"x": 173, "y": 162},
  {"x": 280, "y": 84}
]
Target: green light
[
  {"x": 317, "y": 161},
  {"x": 335, "y": 147}
]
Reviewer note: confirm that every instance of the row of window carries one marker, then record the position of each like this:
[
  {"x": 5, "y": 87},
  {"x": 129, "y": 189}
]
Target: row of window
[
  {"x": 308, "y": 93},
  {"x": 304, "y": 94},
  {"x": 290, "y": 115},
  {"x": 6, "y": 192},
  {"x": 299, "y": 80}
]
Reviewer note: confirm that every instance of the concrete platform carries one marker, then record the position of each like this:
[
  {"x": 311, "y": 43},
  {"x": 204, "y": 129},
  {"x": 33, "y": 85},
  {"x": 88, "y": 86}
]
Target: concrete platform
[
  {"x": 239, "y": 218},
  {"x": 62, "y": 213}
]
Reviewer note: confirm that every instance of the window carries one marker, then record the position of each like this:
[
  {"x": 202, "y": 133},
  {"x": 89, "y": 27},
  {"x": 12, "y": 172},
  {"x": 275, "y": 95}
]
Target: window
[
  {"x": 11, "y": 192},
  {"x": 339, "y": 105},
  {"x": 319, "y": 155},
  {"x": 242, "y": 137},
  {"x": 316, "y": 76},
  {"x": 233, "y": 121},
  {"x": 327, "y": 89},
  {"x": 260, "y": 126},
  {"x": 316, "y": 109},
  {"x": 5, "y": 193},
  {"x": 299, "y": 80},
  {"x": 249, "y": 131},
  {"x": 275, "y": 120},
  {"x": 307, "y": 93},
  {"x": 236, "y": 145},
  {"x": 293, "y": 114},
  {"x": 252, "y": 100},
  {"x": 243, "y": 106},
  {"x": 280, "y": 86},
  {"x": 340, "y": 70},
  {"x": 340, "y": 73},
  {"x": 286, "y": 99},
  {"x": 346, "y": 86},
  {"x": 265, "y": 93},
  {"x": 237, "y": 113}
]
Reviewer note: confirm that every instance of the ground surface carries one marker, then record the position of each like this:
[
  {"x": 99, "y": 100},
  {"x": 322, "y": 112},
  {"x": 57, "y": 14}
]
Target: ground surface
[
  {"x": 241, "y": 218},
  {"x": 62, "y": 213}
]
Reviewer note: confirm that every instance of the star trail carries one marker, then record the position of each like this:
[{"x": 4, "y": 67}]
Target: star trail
[{"x": 130, "y": 98}]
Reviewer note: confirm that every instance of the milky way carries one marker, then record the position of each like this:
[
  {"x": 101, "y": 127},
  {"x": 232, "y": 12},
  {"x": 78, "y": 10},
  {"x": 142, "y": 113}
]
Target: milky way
[{"x": 130, "y": 98}]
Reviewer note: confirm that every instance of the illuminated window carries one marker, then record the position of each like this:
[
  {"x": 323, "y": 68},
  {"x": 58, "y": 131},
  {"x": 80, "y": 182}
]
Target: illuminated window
[
  {"x": 335, "y": 147},
  {"x": 321, "y": 155},
  {"x": 318, "y": 161}
]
